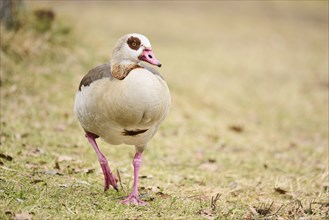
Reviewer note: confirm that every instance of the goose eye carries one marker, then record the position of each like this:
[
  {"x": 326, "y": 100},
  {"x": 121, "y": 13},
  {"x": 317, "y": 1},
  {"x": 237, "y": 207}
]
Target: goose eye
[{"x": 134, "y": 43}]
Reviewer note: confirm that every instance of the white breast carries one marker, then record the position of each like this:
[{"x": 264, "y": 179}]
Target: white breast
[{"x": 107, "y": 107}]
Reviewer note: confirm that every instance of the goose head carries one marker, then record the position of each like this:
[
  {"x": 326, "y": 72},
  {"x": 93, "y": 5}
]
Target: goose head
[{"x": 132, "y": 49}]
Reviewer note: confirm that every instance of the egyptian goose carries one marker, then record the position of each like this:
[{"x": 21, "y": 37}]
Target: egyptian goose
[{"x": 123, "y": 102}]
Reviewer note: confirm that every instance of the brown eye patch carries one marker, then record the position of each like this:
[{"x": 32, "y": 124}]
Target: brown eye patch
[{"x": 134, "y": 43}]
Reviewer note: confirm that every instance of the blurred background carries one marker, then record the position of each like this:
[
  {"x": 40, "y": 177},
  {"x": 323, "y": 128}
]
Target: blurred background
[{"x": 249, "y": 84}]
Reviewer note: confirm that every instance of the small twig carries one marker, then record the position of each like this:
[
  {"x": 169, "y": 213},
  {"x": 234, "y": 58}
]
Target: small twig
[
  {"x": 119, "y": 177},
  {"x": 68, "y": 209},
  {"x": 214, "y": 200},
  {"x": 190, "y": 197},
  {"x": 277, "y": 211},
  {"x": 300, "y": 205},
  {"x": 269, "y": 208},
  {"x": 284, "y": 205}
]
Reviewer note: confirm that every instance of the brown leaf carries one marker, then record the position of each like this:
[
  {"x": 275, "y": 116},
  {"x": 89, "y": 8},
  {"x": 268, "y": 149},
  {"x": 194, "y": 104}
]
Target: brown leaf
[
  {"x": 163, "y": 195},
  {"x": 154, "y": 189},
  {"x": 146, "y": 177},
  {"x": 35, "y": 152},
  {"x": 292, "y": 145},
  {"x": 35, "y": 181},
  {"x": 264, "y": 211},
  {"x": 9, "y": 213},
  {"x": 23, "y": 216},
  {"x": 57, "y": 167},
  {"x": 6, "y": 157},
  {"x": 86, "y": 171},
  {"x": 280, "y": 190},
  {"x": 236, "y": 128}
]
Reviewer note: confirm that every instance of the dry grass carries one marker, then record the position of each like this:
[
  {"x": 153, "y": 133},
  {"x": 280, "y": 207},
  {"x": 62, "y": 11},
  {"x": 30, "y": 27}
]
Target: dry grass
[{"x": 249, "y": 118}]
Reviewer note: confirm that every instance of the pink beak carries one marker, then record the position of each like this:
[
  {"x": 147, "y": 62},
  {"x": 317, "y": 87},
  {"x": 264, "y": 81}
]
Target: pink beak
[{"x": 148, "y": 56}]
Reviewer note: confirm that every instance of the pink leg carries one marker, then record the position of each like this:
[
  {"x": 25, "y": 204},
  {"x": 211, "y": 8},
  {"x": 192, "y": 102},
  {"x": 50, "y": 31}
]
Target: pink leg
[
  {"x": 133, "y": 198},
  {"x": 109, "y": 178}
]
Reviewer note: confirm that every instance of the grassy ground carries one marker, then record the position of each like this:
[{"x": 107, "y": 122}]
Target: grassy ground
[{"x": 248, "y": 123}]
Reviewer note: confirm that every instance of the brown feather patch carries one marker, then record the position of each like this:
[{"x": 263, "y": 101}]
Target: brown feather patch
[
  {"x": 134, "y": 43},
  {"x": 121, "y": 71},
  {"x": 133, "y": 132},
  {"x": 96, "y": 73}
]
